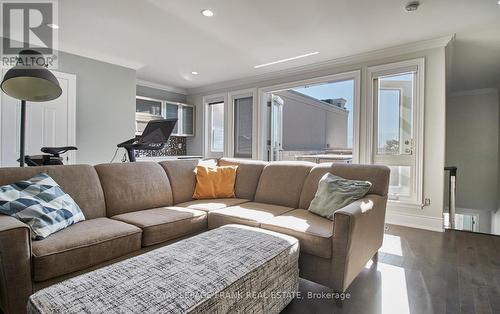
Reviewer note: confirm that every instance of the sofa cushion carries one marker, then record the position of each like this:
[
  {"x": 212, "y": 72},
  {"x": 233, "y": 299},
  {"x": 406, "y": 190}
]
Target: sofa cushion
[
  {"x": 377, "y": 175},
  {"x": 214, "y": 182},
  {"x": 182, "y": 178},
  {"x": 335, "y": 193},
  {"x": 134, "y": 186},
  {"x": 165, "y": 223},
  {"x": 209, "y": 205},
  {"x": 40, "y": 203},
  {"x": 247, "y": 175},
  {"x": 281, "y": 183},
  {"x": 250, "y": 214},
  {"x": 83, "y": 245},
  {"x": 86, "y": 191},
  {"x": 314, "y": 232}
]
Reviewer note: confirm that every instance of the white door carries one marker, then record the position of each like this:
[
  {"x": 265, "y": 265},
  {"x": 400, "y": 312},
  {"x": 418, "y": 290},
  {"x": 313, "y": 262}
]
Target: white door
[
  {"x": 50, "y": 123},
  {"x": 276, "y": 127}
]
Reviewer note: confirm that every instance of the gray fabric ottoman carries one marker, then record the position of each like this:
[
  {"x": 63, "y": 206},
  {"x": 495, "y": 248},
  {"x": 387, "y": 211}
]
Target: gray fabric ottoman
[{"x": 227, "y": 270}]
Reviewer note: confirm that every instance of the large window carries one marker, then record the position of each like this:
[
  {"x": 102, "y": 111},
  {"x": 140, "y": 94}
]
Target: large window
[
  {"x": 315, "y": 120},
  {"x": 396, "y": 127}
]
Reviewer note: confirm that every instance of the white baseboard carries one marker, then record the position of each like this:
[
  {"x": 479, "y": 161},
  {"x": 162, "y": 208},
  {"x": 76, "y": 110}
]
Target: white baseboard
[{"x": 414, "y": 221}]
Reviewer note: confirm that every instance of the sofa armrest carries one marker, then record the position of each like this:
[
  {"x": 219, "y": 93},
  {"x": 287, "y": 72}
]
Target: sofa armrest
[
  {"x": 15, "y": 265},
  {"x": 358, "y": 234}
]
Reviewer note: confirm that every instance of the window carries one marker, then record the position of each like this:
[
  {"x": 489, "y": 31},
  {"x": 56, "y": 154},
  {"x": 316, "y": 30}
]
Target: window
[
  {"x": 216, "y": 127},
  {"x": 243, "y": 111},
  {"x": 397, "y": 127},
  {"x": 315, "y": 120}
]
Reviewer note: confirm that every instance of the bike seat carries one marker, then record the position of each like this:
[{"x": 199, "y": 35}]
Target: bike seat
[{"x": 57, "y": 150}]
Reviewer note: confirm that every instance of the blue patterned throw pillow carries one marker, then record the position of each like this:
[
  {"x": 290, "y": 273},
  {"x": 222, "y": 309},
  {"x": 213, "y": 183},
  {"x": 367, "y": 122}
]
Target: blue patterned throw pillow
[{"x": 41, "y": 204}]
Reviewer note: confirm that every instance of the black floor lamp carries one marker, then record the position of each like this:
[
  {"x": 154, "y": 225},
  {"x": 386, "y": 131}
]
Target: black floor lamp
[{"x": 28, "y": 81}]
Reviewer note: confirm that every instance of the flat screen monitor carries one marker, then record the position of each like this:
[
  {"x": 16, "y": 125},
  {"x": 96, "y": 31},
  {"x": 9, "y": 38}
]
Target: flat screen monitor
[{"x": 157, "y": 131}]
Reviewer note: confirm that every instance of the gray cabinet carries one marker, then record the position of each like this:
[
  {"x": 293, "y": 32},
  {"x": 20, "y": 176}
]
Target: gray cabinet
[
  {"x": 185, "y": 115},
  {"x": 149, "y": 109},
  {"x": 187, "y": 124}
]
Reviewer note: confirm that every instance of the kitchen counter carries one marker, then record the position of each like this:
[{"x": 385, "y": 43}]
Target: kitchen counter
[{"x": 163, "y": 158}]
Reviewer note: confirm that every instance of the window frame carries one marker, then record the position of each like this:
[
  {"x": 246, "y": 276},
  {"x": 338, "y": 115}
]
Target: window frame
[
  {"x": 262, "y": 113},
  {"x": 207, "y": 141},
  {"x": 230, "y": 139},
  {"x": 375, "y": 72}
]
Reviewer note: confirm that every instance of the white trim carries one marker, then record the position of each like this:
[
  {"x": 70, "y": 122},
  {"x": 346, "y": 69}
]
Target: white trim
[
  {"x": 414, "y": 221},
  {"x": 71, "y": 113},
  {"x": 474, "y": 92},
  {"x": 403, "y": 49},
  {"x": 419, "y": 87},
  {"x": 231, "y": 96},
  {"x": 262, "y": 106},
  {"x": 205, "y": 139},
  {"x": 167, "y": 88}
]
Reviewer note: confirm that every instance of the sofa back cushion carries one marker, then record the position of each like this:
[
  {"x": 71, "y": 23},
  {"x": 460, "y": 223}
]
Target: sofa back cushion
[
  {"x": 377, "y": 175},
  {"x": 247, "y": 175},
  {"x": 78, "y": 181},
  {"x": 281, "y": 182},
  {"x": 182, "y": 177},
  {"x": 134, "y": 186}
]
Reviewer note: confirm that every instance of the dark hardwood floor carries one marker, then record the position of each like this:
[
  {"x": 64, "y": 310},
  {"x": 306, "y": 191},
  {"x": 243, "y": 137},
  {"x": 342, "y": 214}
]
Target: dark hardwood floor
[{"x": 417, "y": 272}]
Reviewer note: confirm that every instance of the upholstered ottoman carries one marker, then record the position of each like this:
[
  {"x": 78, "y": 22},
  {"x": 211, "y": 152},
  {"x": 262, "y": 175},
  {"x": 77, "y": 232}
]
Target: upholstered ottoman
[{"x": 230, "y": 269}]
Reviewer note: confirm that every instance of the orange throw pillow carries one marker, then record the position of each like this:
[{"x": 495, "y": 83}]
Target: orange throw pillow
[{"x": 214, "y": 182}]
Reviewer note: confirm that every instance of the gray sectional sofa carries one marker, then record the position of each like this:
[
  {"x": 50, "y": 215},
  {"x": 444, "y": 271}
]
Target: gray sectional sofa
[{"x": 134, "y": 207}]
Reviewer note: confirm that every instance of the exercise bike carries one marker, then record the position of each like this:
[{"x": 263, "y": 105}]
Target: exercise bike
[
  {"x": 53, "y": 157},
  {"x": 154, "y": 137}
]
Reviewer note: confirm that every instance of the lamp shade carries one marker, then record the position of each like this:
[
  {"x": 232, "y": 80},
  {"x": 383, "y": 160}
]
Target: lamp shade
[{"x": 30, "y": 82}]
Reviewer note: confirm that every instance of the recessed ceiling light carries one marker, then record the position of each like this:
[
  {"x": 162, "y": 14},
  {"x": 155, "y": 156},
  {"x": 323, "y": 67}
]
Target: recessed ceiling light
[
  {"x": 207, "y": 12},
  {"x": 54, "y": 26},
  {"x": 195, "y": 73},
  {"x": 498, "y": 2},
  {"x": 287, "y": 59},
  {"x": 412, "y": 6}
]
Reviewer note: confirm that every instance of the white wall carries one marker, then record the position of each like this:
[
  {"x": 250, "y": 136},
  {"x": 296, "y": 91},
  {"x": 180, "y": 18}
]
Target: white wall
[
  {"x": 429, "y": 217},
  {"x": 105, "y": 106},
  {"x": 472, "y": 145}
]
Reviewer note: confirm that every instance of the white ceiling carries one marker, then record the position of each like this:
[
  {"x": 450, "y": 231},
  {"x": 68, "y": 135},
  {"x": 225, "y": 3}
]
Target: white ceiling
[{"x": 167, "y": 39}]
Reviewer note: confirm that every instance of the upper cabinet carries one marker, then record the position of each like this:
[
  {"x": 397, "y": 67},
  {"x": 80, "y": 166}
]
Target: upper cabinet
[
  {"x": 187, "y": 116},
  {"x": 173, "y": 112},
  {"x": 149, "y": 109}
]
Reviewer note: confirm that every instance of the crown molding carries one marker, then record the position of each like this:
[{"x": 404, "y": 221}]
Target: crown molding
[
  {"x": 474, "y": 92},
  {"x": 167, "y": 88},
  {"x": 439, "y": 42}
]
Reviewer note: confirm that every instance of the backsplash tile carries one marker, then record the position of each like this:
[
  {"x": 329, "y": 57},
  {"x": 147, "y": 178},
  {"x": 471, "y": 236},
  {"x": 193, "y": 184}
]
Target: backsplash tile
[{"x": 176, "y": 146}]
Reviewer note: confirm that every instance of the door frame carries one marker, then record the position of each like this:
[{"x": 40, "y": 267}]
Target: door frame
[{"x": 71, "y": 78}]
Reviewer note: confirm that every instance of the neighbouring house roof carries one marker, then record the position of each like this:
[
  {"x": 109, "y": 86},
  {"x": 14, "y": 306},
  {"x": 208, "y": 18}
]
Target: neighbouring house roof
[{"x": 337, "y": 104}]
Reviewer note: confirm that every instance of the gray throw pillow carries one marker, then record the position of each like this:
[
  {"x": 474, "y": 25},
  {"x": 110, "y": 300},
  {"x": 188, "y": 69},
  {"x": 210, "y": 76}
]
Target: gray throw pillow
[
  {"x": 336, "y": 192},
  {"x": 41, "y": 204}
]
